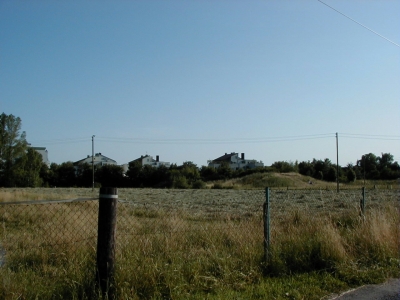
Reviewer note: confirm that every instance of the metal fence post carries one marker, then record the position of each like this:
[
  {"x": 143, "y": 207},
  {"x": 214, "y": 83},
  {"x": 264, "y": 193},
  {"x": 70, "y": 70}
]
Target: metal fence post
[
  {"x": 266, "y": 219},
  {"x": 106, "y": 240}
]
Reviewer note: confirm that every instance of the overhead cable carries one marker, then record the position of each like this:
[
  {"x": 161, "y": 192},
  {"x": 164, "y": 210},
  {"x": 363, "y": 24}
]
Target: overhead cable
[{"x": 360, "y": 24}]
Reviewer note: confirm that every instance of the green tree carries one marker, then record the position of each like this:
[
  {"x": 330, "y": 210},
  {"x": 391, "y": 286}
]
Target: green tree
[
  {"x": 224, "y": 171},
  {"x": 26, "y": 172},
  {"x": 134, "y": 173},
  {"x": 177, "y": 180},
  {"x": 331, "y": 174},
  {"x": 147, "y": 176},
  {"x": 351, "y": 174},
  {"x": 208, "y": 173},
  {"x": 385, "y": 161},
  {"x": 84, "y": 175},
  {"x": 284, "y": 166},
  {"x": 369, "y": 166},
  {"x": 13, "y": 146},
  {"x": 52, "y": 175},
  {"x": 110, "y": 176},
  {"x": 45, "y": 175},
  {"x": 387, "y": 167},
  {"x": 190, "y": 171},
  {"x": 306, "y": 168},
  {"x": 66, "y": 175},
  {"x": 161, "y": 176},
  {"x": 322, "y": 167}
]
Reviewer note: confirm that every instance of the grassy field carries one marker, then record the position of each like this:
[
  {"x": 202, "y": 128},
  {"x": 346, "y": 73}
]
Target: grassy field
[{"x": 199, "y": 244}]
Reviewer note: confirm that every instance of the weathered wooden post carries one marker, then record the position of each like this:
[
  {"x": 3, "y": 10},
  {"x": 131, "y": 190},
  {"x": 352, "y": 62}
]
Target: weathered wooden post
[
  {"x": 362, "y": 202},
  {"x": 266, "y": 212},
  {"x": 106, "y": 240}
]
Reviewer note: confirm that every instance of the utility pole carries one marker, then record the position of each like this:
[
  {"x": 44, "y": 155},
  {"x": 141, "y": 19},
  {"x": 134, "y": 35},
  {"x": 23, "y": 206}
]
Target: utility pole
[
  {"x": 337, "y": 162},
  {"x": 93, "y": 163}
]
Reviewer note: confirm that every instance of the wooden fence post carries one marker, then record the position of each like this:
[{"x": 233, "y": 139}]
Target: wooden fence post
[
  {"x": 362, "y": 202},
  {"x": 107, "y": 222}
]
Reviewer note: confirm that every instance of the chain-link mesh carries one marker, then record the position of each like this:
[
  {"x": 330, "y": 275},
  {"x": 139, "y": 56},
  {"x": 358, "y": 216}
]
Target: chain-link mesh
[
  {"x": 317, "y": 203},
  {"x": 190, "y": 221},
  {"x": 37, "y": 232},
  {"x": 166, "y": 225},
  {"x": 293, "y": 207}
]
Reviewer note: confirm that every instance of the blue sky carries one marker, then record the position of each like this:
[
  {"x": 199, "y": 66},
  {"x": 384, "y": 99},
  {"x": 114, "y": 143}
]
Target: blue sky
[{"x": 192, "y": 80}]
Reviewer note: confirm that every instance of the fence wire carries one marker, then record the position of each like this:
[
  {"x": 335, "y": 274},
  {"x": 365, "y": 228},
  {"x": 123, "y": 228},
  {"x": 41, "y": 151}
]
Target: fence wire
[
  {"x": 161, "y": 221},
  {"x": 191, "y": 222}
]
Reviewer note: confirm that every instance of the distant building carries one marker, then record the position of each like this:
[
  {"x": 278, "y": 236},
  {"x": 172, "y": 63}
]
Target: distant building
[
  {"x": 99, "y": 160},
  {"x": 147, "y": 160},
  {"x": 43, "y": 152},
  {"x": 235, "y": 162}
]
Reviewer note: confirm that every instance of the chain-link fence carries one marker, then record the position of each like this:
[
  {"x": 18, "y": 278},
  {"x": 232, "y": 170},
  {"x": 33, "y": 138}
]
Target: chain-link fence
[
  {"x": 317, "y": 203},
  {"x": 285, "y": 208},
  {"x": 192, "y": 217},
  {"x": 35, "y": 232},
  {"x": 158, "y": 228}
]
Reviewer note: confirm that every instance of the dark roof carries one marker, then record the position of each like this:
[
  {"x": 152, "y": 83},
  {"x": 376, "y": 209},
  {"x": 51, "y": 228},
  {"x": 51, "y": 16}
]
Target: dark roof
[
  {"x": 226, "y": 157},
  {"x": 79, "y": 161},
  {"x": 38, "y": 148},
  {"x": 140, "y": 158},
  {"x": 96, "y": 155}
]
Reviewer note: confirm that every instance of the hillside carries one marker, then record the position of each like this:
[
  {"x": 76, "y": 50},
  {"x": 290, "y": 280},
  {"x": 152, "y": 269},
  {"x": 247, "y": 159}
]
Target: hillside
[{"x": 295, "y": 180}]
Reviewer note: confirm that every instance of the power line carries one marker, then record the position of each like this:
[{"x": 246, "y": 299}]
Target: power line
[
  {"x": 237, "y": 140},
  {"x": 60, "y": 141},
  {"x": 371, "y": 136},
  {"x": 361, "y": 24},
  {"x": 216, "y": 141}
]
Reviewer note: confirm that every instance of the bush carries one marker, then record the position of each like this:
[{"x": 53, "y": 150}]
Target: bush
[
  {"x": 180, "y": 182},
  {"x": 217, "y": 186},
  {"x": 199, "y": 184},
  {"x": 351, "y": 175}
]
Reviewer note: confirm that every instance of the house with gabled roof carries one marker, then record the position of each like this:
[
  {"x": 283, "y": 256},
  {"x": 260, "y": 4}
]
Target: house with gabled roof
[
  {"x": 144, "y": 160},
  {"x": 235, "y": 162},
  {"x": 99, "y": 160}
]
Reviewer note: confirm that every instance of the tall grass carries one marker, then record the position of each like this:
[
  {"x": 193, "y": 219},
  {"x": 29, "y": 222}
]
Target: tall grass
[{"x": 173, "y": 254}]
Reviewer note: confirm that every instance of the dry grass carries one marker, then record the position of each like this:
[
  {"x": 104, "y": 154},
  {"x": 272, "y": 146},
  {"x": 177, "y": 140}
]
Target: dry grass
[{"x": 179, "y": 244}]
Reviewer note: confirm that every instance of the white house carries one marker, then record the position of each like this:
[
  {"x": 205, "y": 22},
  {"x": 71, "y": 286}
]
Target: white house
[
  {"x": 43, "y": 152},
  {"x": 235, "y": 162},
  {"x": 98, "y": 160},
  {"x": 148, "y": 160}
]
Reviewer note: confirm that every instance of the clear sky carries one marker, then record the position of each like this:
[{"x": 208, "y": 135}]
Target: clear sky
[{"x": 192, "y": 80}]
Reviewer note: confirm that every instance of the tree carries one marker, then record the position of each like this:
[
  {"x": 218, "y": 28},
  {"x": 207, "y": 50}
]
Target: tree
[
  {"x": 224, "y": 171},
  {"x": 190, "y": 171},
  {"x": 177, "y": 179},
  {"x": 350, "y": 174},
  {"x": 386, "y": 166},
  {"x": 369, "y": 166},
  {"x": 284, "y": 166},
  {"x": 12, "y": 146},
  {"x": 110, "y": 175},
  {"x": 26, "y": 172},
  {"x": 208, "y": 173},
  {"x": 45, "y": 175},
  {"x": 84, "y": 175},
  {"x": 134, "y": 173},
  {"x": 66, "y": 175},
  {"x": 385, "y": 161},
  {"x": 306, "y": 168},
  {"x": 331, "y": 174}
]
